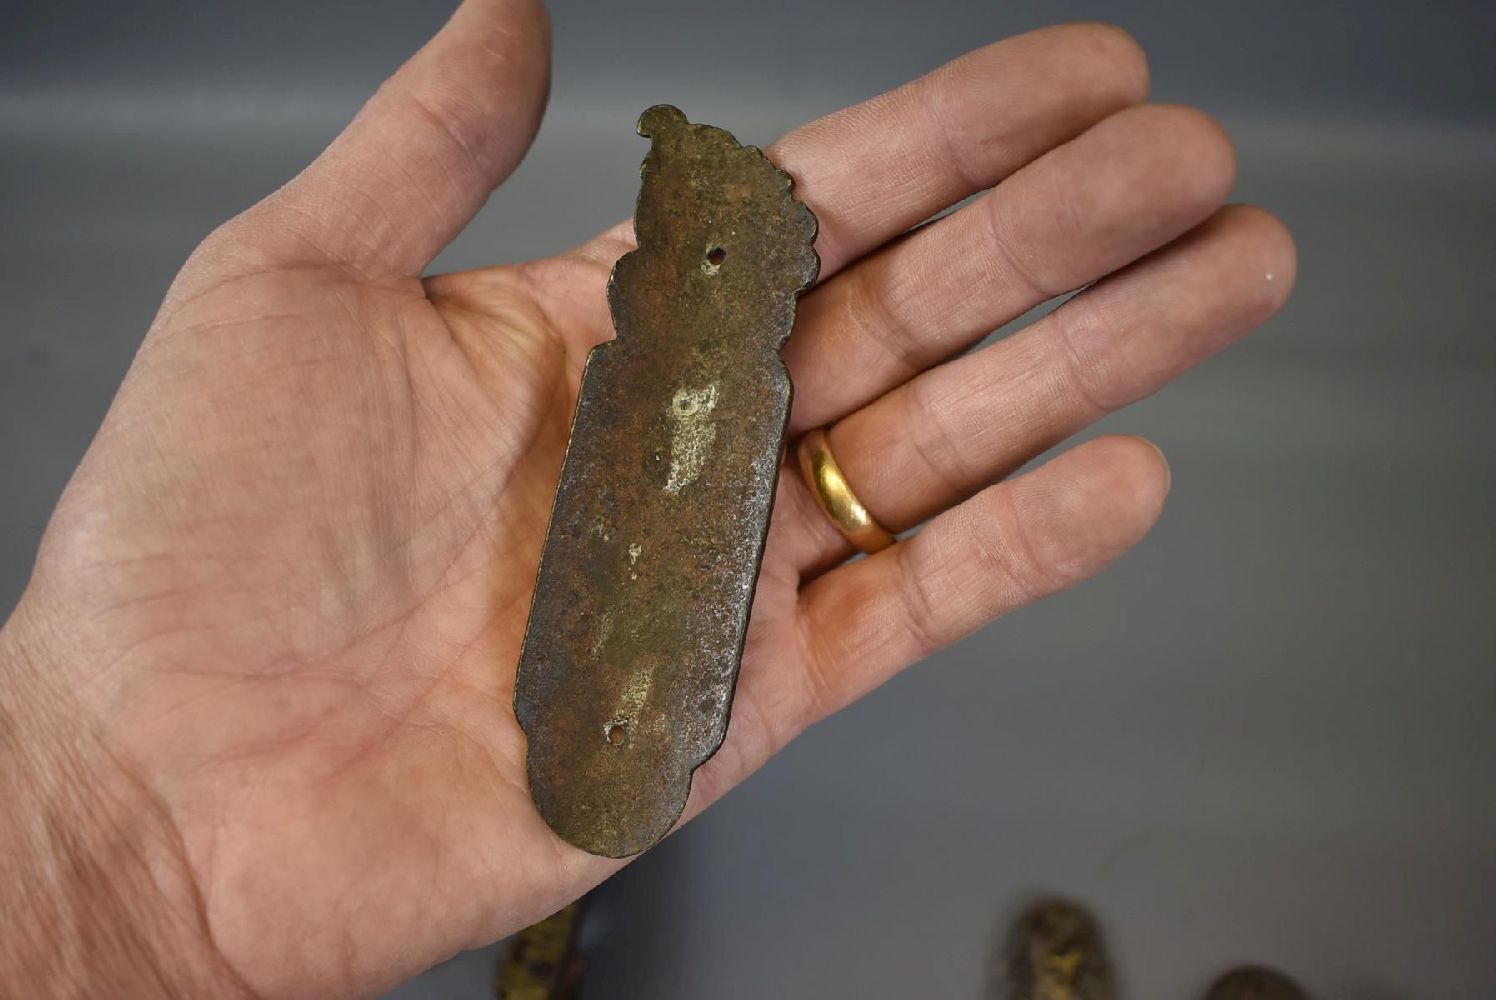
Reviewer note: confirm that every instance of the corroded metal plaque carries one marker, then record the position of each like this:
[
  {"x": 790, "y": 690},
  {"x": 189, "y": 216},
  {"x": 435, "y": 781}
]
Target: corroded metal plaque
[{"x": 655, "y": 539}]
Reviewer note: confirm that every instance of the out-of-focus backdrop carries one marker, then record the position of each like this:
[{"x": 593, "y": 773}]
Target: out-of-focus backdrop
[{"x": 1268, "y": 734}]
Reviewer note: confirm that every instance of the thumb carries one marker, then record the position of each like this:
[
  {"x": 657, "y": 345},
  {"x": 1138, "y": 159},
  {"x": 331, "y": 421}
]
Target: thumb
[{"x": 423, "y": 154}]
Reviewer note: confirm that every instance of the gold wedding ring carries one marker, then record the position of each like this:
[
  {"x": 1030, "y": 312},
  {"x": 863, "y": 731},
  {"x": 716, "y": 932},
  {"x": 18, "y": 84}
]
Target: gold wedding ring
[{"x": 829, "y": 486}]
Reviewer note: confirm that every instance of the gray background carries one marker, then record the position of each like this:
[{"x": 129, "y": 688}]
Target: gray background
[{"x": 1264, "y": 735}]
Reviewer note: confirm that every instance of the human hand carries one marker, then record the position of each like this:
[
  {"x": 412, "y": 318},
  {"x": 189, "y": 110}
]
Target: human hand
[{"x": 255, "y": 716}]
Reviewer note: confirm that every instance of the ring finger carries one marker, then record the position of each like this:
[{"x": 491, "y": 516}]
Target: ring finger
[{"x": 954, "y": 429}]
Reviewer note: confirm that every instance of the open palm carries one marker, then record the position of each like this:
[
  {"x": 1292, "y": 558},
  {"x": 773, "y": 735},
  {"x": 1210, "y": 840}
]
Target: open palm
[{"x": 286, "y": 589}]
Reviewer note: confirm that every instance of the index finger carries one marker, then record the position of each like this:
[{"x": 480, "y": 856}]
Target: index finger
[{"x": 876, "y": 169}]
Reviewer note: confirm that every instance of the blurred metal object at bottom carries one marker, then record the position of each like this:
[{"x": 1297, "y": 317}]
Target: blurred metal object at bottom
[
  {"x": 1054, "y": 951},
  {"x": 1255, "y": 983},
  {"x": 543, "y": 962}
]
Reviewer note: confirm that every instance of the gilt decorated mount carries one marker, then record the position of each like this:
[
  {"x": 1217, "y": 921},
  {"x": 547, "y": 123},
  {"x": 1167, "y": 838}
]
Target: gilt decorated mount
[{"x": 652, "y": 556}]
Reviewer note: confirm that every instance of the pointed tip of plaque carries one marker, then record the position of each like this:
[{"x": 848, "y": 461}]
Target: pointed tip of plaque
[{"x": 660, "y": 119}]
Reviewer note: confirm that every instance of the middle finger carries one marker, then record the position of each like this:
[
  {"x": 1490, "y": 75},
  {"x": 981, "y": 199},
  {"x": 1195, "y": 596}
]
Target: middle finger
[{"x": 1086, "y": 208}]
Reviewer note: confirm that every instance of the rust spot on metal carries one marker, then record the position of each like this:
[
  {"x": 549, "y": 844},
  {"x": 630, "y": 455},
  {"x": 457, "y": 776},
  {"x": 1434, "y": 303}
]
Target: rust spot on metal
[{"x": 658, "y": 528}]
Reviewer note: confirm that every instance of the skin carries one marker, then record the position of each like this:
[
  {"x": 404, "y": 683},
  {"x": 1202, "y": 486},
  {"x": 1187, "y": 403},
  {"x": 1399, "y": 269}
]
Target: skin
[{"x": 255, "y": 723}]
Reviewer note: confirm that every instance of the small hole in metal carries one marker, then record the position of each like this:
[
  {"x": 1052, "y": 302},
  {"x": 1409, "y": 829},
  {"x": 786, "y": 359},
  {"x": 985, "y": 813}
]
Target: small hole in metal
[
  {"x": 617, "y": 732},
  {"x": 715, "y": 256}
]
